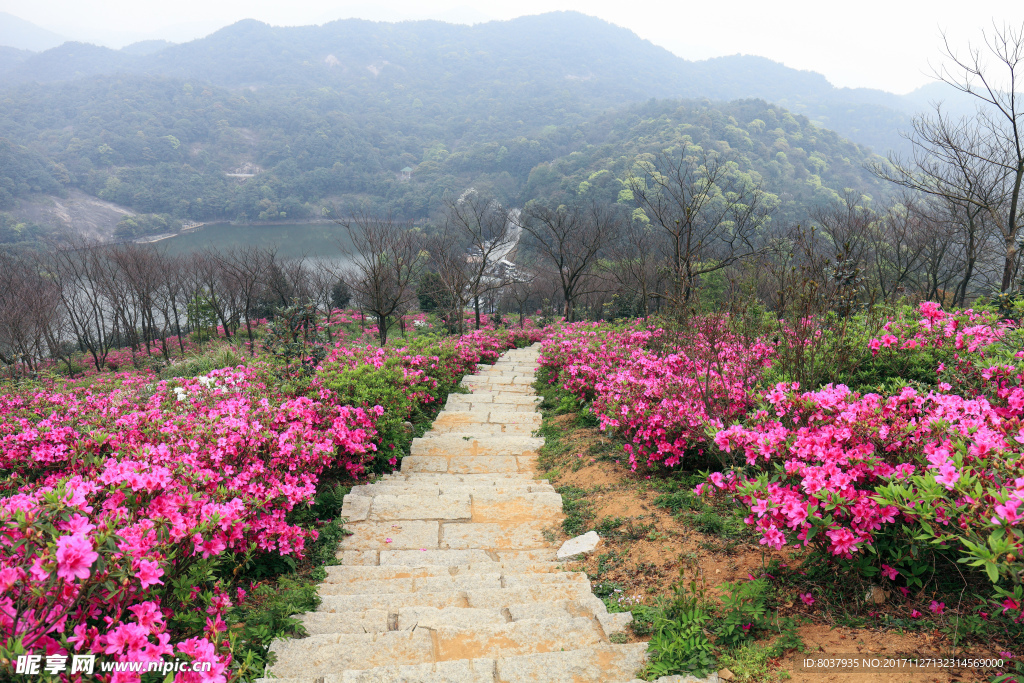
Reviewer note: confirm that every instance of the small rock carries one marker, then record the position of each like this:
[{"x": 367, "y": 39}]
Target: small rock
[
  {"x": 407, "y": 426},
  {"x": 581, "y": 545},
  {"x": 876, "y": 595},
  {"x": 726, "y": 675}
]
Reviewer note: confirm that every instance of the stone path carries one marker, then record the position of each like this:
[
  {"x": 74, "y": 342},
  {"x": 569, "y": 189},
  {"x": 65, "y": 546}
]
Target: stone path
[{"x": 447, "y": 576}]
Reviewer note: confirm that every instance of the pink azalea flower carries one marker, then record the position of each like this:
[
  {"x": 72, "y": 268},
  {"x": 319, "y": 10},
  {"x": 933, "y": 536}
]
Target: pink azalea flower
[
  {"x": 75, "y": 556},
  {"x": 807, "y": 598},
  {"x": 149, "y": 573}
]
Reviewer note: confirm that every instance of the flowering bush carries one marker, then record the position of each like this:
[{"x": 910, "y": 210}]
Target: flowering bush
[
  {"x": 877, "y": 482},
  {"x": 127, "y": 502},
  {"x": 660, "y": 392}
]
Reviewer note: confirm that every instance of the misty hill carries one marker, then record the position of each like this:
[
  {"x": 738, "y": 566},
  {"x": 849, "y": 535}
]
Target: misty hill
[
  {"x": 24, "y": 35},
  {"x": 199, "y": 152},
  {"x": 146, "y": 47},
  {"x": 566, "y": 56}
]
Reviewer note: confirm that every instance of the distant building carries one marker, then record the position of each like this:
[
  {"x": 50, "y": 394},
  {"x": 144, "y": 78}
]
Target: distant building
[{"x": 405, "y": 175}]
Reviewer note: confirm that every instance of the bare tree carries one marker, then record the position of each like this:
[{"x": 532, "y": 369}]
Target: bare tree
[
  {"x": 488, "y": 234},
  {"x": 77, "y": 270},
  {"x": 975, "y": 163},
  {"x": 246, "y": 269},
  {"x": 570, "y": 239},
  {"x": 29, "y": 315},
  {"x": 386, "y": 258},
  {"x": 635, "y": 264},
  {"x": 711, "y": 214},
  {"x": 521, "y": 293}
]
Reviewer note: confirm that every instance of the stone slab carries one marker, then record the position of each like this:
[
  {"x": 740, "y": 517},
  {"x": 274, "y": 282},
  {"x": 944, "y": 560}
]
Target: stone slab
[
  {"x": 603, "y": 663},
  {"x": 494, "y": 536},
  {"x": 355, "y": 508},
  {"x": 516, "y": 507},
  {"x": 449, "y": 558},
  {"x": 328, "y": 654},
  {"x": 391, "y": 535},
  {"x": 473, "y": 671},
  {"x": 412, "y": 507},
  {"x": 370, "y": 621},
  {"x": 579, "y": 546}
]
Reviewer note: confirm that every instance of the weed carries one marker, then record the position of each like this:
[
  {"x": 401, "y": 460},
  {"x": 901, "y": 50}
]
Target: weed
[
  {"x": 577, "y": 510},
  {"x": 608, "y": 525}
]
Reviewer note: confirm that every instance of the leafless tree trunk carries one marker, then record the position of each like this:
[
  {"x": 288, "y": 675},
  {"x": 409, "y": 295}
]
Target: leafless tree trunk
[
  {"x": 571, "y": 239},
  {"x": 975, "y": 162},
  {"x": 635, "y": 262},
  {"x": 386, "y": 258},
  {"x": 488, "y": 234}
]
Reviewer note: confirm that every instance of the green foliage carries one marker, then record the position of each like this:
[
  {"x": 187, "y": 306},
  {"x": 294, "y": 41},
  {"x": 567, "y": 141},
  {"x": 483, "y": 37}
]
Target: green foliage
[
  {"x": 202, "y": 364},
  {"x": 743, "y": 611},
  {"x": 294, "y": 335},
  {"x": 577, "y": 509},
  {"x": 131, "y": 227},
  {"x": 679, "y": 645},
  {"x": 340, "y": 295}
]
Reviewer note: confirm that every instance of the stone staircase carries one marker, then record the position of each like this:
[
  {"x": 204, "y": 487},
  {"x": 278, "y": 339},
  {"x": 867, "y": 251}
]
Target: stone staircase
[{"x": 447, "y": 576}]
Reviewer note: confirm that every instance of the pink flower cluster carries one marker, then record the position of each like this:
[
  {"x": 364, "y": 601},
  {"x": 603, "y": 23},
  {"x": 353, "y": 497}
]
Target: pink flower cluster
[
  {"x": 116, "y": 491},
  {"x": 661, "y": 393}
]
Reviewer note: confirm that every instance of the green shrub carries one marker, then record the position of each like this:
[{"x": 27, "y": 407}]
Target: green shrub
[{"x": 202, "y": 364}]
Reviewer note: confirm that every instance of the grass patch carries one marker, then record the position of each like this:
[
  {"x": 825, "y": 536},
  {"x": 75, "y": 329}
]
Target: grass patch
[{"x": 577, "y": 509}]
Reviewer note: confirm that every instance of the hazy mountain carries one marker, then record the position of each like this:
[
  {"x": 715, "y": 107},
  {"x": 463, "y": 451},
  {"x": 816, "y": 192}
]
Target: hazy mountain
[
  {"x": 599, "y": 64},
  {"x": 24, "y": 35},
  {"x": 146, "y": 47}
]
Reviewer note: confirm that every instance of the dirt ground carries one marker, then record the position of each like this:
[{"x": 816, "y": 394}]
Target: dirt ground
[{"x": 647, "y": 549}]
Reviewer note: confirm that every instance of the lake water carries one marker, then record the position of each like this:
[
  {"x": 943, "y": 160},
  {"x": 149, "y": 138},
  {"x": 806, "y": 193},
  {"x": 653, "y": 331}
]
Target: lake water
[{"x": 298, "y": 240}]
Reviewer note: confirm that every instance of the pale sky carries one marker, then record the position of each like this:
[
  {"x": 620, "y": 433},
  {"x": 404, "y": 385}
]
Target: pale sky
[{"x": 885, "y": 44}]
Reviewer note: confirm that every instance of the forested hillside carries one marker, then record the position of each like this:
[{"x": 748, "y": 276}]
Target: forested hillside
[{"x": 261, "y": 123}]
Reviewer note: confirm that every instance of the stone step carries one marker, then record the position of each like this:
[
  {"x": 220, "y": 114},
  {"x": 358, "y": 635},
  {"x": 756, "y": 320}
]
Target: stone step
[
  {"x": 355, "y": 574},
  {"x": 512, "y": 507},
  {"x": 494, "y": 415},
  {"x": 496, "y": 479},
  {"x": 437, "y": 582},
  {"x": 462, "y": 557},
  {"x": 494, "y": 535},
  {"x": 324, "y": 654},
  {"x": 447, "y": 507},
  {"x": 479, "y": 429},
  {"x": 485, "y": 397},
  {"x": 428, "y": 584},
  {"x": 515, "y": 638},
  {"x": 453, "y": 445},
  {"x": 455, "y": 617},
  {"x": 528, "y": 408},
  {"x": 412, "y": 534},
  {"x": 502, "y": 389},
  {"x": 469, "y": 464},
  {"x": 398, "y": 487},
  {"x": 457, "y": 671},
  {"x": 333, "y": 653},
  {"x": 366, "y": 621},
  {"x": 499, "y": 381},
  {"x": 479, "y": 598},
  {"x": 604, "y": 663},
  {"x": 482, "y": 505}
]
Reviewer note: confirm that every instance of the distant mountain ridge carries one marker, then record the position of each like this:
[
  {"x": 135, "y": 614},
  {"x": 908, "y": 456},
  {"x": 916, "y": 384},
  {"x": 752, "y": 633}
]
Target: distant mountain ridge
[
  {"x": 601, "y": 64},
  {"x": 19, "y": 34}
]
